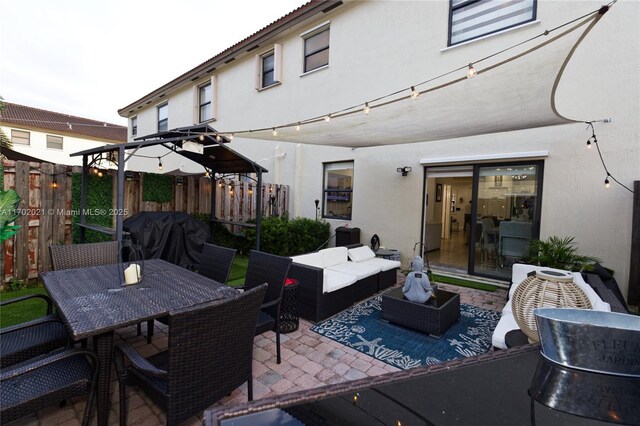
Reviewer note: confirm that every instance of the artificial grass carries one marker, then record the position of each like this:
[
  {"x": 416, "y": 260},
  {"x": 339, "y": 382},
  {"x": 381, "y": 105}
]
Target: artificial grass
[
  {"x": 20, "y": 312},
  {"x": 238, "y": 271},
  {"x": 463, "y": 283}
]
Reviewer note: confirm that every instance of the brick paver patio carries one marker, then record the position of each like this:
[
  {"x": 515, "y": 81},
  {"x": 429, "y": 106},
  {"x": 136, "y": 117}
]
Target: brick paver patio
[{"x": 308, "y": 361}]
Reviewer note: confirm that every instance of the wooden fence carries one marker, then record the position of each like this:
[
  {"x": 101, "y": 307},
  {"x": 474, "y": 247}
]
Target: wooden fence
[{"x": 46, "y": 208}]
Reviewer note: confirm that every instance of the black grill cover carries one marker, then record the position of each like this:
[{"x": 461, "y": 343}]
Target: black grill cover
[{"x": 176, "y": 237}]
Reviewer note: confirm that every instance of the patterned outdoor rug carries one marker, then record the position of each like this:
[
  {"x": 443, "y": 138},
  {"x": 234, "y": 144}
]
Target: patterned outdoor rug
[{"x": 362, "y": 328}]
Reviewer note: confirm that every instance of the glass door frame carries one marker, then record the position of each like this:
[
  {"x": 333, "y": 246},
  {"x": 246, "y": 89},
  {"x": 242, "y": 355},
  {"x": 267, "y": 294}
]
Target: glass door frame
[{"x": 537, "y": 214}]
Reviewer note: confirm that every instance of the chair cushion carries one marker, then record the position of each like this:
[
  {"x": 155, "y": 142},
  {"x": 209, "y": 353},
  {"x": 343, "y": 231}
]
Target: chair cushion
[
  {"x": 383, "y": 264},
  {"x": 360, "y": 254},
  {"x": 334, "y": 280},
  {"x": 311, "y": 259}
]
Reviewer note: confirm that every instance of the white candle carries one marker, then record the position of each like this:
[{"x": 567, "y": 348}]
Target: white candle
[{"x": 131, "y": 274}]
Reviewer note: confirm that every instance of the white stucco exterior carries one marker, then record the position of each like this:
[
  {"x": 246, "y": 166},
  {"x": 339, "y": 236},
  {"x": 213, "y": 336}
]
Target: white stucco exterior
[{"x": 378, "y": 47}]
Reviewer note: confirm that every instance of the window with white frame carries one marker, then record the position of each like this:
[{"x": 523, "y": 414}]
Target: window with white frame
[
  {"x": 134, "y": 126},
  {"x": 163, "y": 117},
  {"x": 338, "y": 190},
  {"x": 470, "y": 19},
  {"x": 205, "y": 99},
  {"x": 316, "y": 49},
  {"x": 267, "y": 69},
  {"x": 54, "y": 142},
  {"x": 20, "y": 137}
]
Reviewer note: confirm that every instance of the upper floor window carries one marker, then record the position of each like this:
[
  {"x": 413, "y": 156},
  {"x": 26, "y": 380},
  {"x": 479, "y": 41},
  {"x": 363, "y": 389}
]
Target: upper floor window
[
  {"x": 20, "y": 137},
  {"x": 267, "y": 71},
  {"x": 134, "y": 126},
  {"x": 205, "y": 97},
  {"x": 163, "y": 117},
  {"x": 338, "y": 190},
  {"x": 471, "y": 19},
  {"x": 316, "y": 49},
  {"x": 54, "y": 142}
]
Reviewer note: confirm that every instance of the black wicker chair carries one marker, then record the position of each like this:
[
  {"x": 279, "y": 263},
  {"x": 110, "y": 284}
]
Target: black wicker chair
[
  {"x": 70, "y": 256},
  {"x": 273, "y": 270},
  {"x": 216, "y": 261},
  {"x": 209, "y": 355},
  {"x": 21, "y": 342},
  {"x": 47, "y": 380}
]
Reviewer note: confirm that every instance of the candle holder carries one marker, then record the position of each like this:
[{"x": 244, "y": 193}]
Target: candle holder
[{"x": 132, "y": 264}]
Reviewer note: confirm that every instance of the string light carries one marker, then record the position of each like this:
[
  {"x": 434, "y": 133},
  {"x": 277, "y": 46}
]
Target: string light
[
  {"x": 355, "y": 398},
  {"x": 298, "y": 127},
  {"x": 231, "y": 137},
  {"x": 100, "y": 174},
  {"x": 274, "y": 132},
  {"x": 606, "y": 181},
  {"x": 414, "y": 93},
  {"x": 367, "y": 108},
  {"x": 218, "y": 137},
  {"x": 201, "y": 137},
  {"x": 160, "y": 166},
  {"x": 327, "y": 118},
  {"x": 54, "y": 185},
  {"x": 471, "y": 72}
]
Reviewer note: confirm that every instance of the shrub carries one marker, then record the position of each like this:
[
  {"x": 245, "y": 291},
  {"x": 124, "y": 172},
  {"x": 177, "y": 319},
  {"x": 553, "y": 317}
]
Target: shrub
[
  {"x": 286, "y": 237},
  {"x": 559, "y": 253}
]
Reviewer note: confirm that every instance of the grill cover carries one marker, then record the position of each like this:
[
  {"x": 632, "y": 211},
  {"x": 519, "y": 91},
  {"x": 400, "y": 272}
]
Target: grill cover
[{"x": 176, "y": 237}]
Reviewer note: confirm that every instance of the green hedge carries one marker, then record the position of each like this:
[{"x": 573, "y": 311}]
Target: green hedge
[
  {"x": 99, "y": 199},
  {"x": 289, "y": 237},
  {"x": 158, "y": 188}
]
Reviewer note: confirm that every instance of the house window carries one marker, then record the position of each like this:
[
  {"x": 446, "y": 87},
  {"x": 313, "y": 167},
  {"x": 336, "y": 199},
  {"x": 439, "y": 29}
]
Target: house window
[
  {"x": 471, "y": 19},
  {"x": 316, "y": 49},
  {"x": 134, "y": 126},
  {"x": 163, "y": 118},
  {"x": 54, "y": 142},
  {"x": 20, "y": 137},
  {"x": 338, "y": 190},
  {"x": 268, "y": 69},
  {"x": 205, "y": 93}
]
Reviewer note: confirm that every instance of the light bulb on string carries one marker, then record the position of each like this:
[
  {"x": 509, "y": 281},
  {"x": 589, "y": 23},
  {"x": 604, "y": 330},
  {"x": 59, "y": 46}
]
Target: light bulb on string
[
  {"x": 606, "y": 181},
  {"x": 414, "y": 93},
  {"x": 327, "y": 118},
  {"x": 201, "y": 137},
  {"x": 589, "y": 143},
  {"x": 231, "y": 137},
  {"x": 160, "y": 166},
  {"x": 471, "y": 72},
  {"x": 100, "y": 173},
  {"x": 367, "y": 108},
  {"x": 218, "y": 137},
  {"x": 298, "y": 127},
  {"x": 274, "y": 132}
]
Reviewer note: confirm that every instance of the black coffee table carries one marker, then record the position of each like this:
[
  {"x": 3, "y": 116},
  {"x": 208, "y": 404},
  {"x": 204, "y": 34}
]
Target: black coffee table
[{"x": 433, "y": 317}]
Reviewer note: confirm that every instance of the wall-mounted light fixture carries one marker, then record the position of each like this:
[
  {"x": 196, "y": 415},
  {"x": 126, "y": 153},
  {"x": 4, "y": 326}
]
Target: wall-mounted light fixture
[{"x": 404, "y": 170}]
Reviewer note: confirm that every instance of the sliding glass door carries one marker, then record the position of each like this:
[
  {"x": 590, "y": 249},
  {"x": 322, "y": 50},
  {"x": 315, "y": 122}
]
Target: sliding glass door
[{"x": 506, "y": 209}]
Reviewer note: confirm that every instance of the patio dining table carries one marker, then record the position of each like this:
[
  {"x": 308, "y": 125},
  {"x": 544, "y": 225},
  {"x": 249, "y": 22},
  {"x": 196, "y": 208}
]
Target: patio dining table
[{"x": 93, "y": 303}]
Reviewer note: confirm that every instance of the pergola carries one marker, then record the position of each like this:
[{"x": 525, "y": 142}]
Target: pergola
[{"x": 215, "y": 157}]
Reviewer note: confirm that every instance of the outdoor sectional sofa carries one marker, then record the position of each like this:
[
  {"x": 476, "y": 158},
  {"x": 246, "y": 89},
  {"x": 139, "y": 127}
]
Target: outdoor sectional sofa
[{"x": 333, "y": 279}]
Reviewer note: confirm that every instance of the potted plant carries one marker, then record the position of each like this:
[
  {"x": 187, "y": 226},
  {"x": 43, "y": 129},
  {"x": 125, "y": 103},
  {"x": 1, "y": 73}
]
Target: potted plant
[
  {"x": 559, "y": 253},
  {"x": 9, "y": 201}
]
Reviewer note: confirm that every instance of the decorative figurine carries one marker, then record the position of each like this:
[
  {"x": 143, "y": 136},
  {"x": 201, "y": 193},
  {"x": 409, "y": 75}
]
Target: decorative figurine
[{"x": 417, "y": 287}]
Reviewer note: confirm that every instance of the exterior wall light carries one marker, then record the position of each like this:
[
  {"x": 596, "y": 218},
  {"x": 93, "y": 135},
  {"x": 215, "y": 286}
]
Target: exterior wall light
[{"x": 404, "y": 170}]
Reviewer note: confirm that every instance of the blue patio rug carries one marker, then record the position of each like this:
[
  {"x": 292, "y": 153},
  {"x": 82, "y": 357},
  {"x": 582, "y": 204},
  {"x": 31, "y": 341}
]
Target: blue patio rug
[{"x": 362, "y": 328}]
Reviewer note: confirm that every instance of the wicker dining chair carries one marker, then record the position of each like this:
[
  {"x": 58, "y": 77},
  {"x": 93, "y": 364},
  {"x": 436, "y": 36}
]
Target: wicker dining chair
[
  {"x": 210, "y": 352},
  {"x": 271, "y": 269},
  {"x": 70, "y": 256},
  {"x": 215, "y": 263},
  {"x": 47, "y": 380},
  {"x": 29, "y": 339}
]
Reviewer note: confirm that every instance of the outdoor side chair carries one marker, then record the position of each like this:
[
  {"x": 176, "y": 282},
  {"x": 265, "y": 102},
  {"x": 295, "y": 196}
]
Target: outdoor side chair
[
  {"x": 70, "y": 256},
  {"x": 29, "y": 339},
  {"x": 271, "y": 269},
  {"x": 209, "y": 354},
  {"x": 47, "y": 380},
  {"x": 215, "y": 263}
]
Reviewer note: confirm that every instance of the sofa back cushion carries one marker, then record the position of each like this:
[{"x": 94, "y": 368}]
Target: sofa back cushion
[
  {"x": 311, "y": 259},
  {"x": 333, "y": 256},
  {"x": 360, "y": 254}
]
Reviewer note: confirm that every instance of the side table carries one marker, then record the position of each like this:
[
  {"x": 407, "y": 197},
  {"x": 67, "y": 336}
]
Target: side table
[
  {"x": 289, "y": 320},
  {"x": 389, "y": 254}
]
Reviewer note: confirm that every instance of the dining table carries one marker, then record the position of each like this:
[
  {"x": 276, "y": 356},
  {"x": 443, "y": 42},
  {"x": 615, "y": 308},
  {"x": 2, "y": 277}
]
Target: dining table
[{"x": 94, "y": 302}]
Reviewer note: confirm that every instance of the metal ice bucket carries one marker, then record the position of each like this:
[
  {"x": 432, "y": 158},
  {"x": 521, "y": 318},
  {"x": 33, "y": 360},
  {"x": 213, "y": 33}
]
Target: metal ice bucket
[{"x": 603, "y": 342}]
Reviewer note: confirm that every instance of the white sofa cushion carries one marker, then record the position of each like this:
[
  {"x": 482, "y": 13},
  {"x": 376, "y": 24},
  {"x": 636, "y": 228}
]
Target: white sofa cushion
[
  {"x": 360, "y": 254},
  {"x": 519, "y": 273},
  {"x": 334, "y": 280},
  {"x": 334, "y": 256},
  {"x": 365, "y": 255},
  {"x": 311, "y": 259},
  {"x": 361, "y": 270}
]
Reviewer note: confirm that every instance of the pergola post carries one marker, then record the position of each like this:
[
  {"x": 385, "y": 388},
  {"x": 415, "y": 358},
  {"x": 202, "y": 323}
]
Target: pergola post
[
  {"x": 259, "y": 210},
  {"x": 120, "y": 194},
  {"x": 83, "y": 197}
]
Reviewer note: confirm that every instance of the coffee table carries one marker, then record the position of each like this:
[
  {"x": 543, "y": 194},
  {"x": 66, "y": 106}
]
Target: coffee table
[{"x": 433, "y": 317}]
